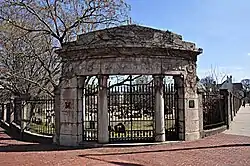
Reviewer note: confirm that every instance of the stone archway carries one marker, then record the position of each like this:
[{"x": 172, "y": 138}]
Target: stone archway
[{"x": 126, "y": 50}]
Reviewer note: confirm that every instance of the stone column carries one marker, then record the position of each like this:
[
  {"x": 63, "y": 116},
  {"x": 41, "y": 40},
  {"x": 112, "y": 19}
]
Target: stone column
[
  {"x": 25, "y": 115},
  {"x": 57, "y": 106},
  {"x": 189, "y": 115},
  {"x": 103, "y": 121},
  {"x": 69, "y": 113},
  {"x": 12, "y": 114},
  {"x": 159, "y": 110}
]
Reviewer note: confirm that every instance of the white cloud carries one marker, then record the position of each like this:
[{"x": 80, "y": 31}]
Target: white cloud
[{"x": 248, "y": 54}]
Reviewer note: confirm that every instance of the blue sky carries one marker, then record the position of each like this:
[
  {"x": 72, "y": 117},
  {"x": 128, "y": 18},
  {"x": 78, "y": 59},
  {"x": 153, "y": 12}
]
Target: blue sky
[{"x": 220, "y": 27}]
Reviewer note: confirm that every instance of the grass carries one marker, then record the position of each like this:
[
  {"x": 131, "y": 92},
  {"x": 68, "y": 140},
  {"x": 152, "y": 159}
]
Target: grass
[
  {"x": 141, "y": 129},
  {"x": 41, "y": 129}
]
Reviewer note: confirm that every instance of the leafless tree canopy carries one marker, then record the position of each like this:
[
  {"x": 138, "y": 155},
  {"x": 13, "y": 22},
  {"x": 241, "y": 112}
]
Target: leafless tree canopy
[
  {"x": 63, "y": 19},
  {"x": 30, "y": 30}
]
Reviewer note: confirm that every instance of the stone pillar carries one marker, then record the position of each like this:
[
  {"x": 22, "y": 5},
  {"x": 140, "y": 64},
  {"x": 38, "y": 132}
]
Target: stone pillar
[
  {"x": 25, "y": 115},
  {"x": 12, "y": 113},
  {"x": 103, "y": 121},
  {"x": 159, "y": 110},
  {"x": 57, "y": 106},
  {"x": 68, "y": 109},
  {"x": 226, "y": 104},
  {"x": 189, "y": 114}
]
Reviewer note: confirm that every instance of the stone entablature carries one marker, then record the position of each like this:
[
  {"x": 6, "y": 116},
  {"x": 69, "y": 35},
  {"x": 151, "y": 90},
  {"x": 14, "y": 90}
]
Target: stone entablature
[{"x": 128, "y": 37}]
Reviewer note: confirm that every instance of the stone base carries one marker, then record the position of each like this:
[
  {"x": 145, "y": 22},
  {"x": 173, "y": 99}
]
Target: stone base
[
  {"x": 160, "y": 137},
  {"x": 69, "y": 140},
  {"x": 192, "y": 136}
]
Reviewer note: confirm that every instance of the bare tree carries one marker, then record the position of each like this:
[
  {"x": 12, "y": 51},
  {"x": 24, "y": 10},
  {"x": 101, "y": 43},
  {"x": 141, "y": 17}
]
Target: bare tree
[
  {"x": 213, "y": 78},
  {"x": 29, "y": 66},
  {"x": 32, "y": 29},
  {"x": 64, "y": 19}
]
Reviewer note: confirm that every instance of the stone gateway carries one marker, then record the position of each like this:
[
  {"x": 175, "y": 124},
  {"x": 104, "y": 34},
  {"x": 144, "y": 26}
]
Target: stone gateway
[{"x": 139, "y": 105}]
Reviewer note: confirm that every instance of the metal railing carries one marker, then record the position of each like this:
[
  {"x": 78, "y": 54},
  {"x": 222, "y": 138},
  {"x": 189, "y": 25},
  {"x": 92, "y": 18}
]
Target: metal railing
[
  {"x": 39, "y": 116},
  {"x": 36, "y": 116},
  {"x": 213, "y": 110}
]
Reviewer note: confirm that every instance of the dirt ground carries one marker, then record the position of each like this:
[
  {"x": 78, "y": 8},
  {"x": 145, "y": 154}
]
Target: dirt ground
[{"x": 221, "y": 149}]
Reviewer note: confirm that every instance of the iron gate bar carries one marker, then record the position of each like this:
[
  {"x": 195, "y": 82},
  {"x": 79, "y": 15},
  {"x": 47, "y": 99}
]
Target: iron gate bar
[
  {"x": 91, "y": 113},
  {"x": 170, "y": 111},
  {"x": 41, "y": 120}
]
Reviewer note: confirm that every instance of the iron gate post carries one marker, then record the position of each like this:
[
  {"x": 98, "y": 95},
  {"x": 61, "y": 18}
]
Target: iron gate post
[
  {"x": 159, "y": 110},
  {"x": 103, "y": 121}
]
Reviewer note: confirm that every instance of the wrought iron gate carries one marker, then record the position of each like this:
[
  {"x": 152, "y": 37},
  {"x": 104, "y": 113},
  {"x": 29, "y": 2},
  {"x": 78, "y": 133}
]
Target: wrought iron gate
[
  {"x": 171, "y": 111},
  {"x": 131, "y": 106},
  {"x": 90, "y": 102},
  {"x": 131, "y": 111}
]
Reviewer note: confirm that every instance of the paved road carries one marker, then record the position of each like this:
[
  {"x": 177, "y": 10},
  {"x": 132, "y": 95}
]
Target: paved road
[
  {"x": 241, "y": 123},
  {"x": 223, "y": 149}
]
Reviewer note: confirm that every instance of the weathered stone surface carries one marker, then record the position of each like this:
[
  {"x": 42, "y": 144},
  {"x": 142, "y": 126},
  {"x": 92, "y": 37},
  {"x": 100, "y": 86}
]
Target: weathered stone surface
[
  {"x": 192, "y": 136},
  {"x": 192, "y": 126},
  {"x": 103, "y": 117},
  {"x": 68, "y": 82},
  {"x": 69, "y": 93},
  {"x": 127, "y": 65},
  {"x": 69, "y": 140},
  {"x": 71, "y": 129},
  {"x": 192, "y": 114},
  {"x": 159, "y": 110},
  {"x": 130, "y": 36}
]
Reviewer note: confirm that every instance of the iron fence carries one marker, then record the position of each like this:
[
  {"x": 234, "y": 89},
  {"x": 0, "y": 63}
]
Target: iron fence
[
  {"x": 236, "y": 104},
  {"x": 38, "y": 116},
  {"x": 214, "y": 114}
]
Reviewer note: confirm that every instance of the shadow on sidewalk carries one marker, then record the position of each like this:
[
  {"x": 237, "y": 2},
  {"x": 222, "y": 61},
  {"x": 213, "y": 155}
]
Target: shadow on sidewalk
[
  {"x": 114, "y": 162},
  {"x": 34, "y": 148},
  {"x": 48, "y": 147},
  {"x": 167, "y": 150}
]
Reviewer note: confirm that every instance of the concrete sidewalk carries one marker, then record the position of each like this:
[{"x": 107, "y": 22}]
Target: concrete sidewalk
[{"x": 241, "y": 123}]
